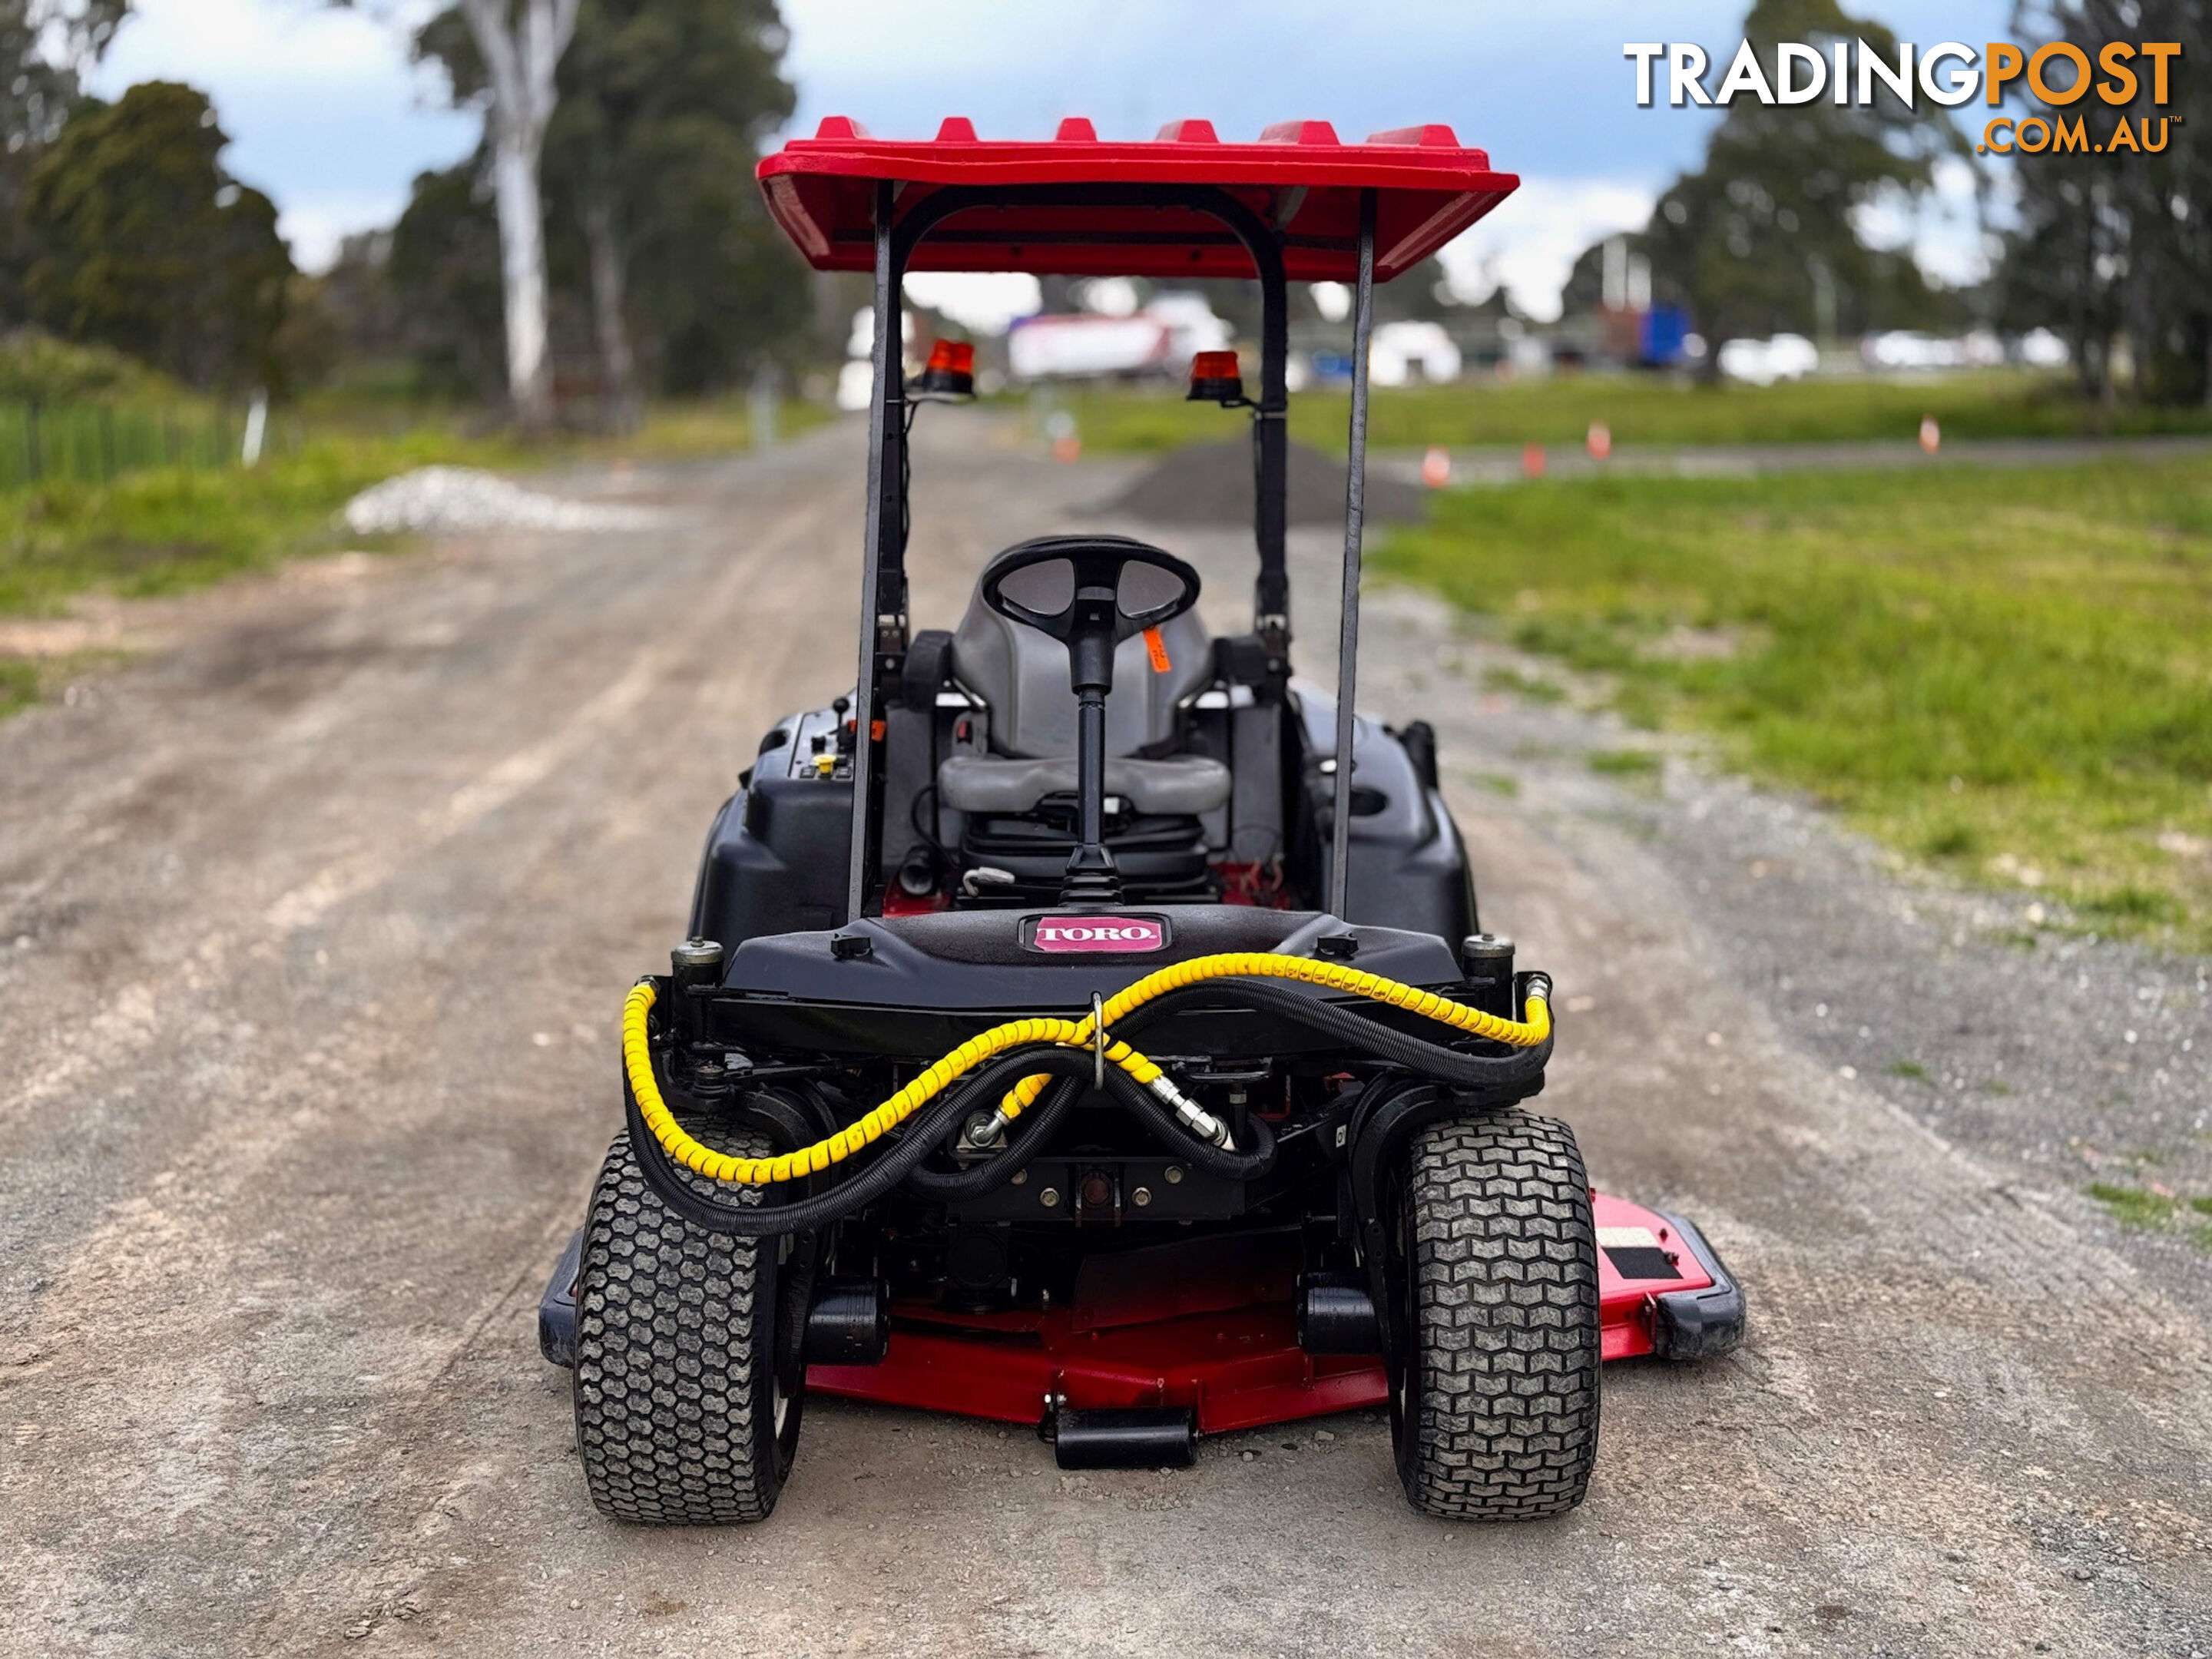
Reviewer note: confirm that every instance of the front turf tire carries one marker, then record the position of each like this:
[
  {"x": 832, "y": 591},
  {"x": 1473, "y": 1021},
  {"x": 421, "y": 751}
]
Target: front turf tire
[
  {"x": 1494, "y": 1403},
  {"x": 688, "y": 1392}
]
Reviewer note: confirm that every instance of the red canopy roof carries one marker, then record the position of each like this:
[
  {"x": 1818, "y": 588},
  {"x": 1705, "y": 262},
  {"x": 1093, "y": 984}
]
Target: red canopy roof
[{"x": 1299, "y": 177}]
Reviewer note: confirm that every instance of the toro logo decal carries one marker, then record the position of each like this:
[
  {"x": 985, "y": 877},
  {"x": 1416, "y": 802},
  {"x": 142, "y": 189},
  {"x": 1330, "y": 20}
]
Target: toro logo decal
[{"x": 1116, "y": 935}]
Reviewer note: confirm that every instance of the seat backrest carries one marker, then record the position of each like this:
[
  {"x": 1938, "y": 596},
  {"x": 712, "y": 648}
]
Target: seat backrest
[{"x": 1023, "y": 676}]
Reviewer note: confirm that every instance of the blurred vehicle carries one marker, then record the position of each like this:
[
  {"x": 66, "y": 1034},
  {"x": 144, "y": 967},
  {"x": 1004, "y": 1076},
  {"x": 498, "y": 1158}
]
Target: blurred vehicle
[
  {"x": 1192, "y": 327},
  {"x": 1909, "y": 349},
  {"x": 857, "y": 376},
  {"x": 1406, "y": 353},
  {"x": 1527, "y": 355},
  {"x": 1663, "y": 337},
  {"x": 1762, "y": 363},
  {"x": 1161, "y": 338},
  {"x": 1083, "y": 346},
  {"x": 855, "y": 380}
]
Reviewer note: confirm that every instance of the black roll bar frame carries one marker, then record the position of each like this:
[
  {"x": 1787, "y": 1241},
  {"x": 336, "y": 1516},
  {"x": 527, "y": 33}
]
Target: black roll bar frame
[
  {"x": 1355, "y": 513},
  {"x": 884, "y": 580}
]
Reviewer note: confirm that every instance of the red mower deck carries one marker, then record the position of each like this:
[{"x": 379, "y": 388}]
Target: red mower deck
[{"x": 1190, "y": 1330}]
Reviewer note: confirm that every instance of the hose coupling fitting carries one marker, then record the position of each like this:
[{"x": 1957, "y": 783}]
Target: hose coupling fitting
[
  {"x": 985, "y": 1132},
  {"x": 1192, "y": 1115}
]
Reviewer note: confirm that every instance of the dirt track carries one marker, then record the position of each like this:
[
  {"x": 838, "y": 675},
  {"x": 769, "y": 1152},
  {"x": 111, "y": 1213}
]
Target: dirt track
[{"x": 312, "y": 933}]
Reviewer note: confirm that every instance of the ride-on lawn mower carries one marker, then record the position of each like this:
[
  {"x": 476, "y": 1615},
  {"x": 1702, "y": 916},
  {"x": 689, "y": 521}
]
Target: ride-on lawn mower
[{"x": 1083, "y": 1023}]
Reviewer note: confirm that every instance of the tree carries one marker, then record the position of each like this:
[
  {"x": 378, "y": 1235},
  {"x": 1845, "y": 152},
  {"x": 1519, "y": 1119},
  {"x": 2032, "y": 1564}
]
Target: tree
[
  {"x": 145, "y": 244},
  {"x": 517, "y": 48},
  {"x": 2121, "y": 242},
  {"x": 45, "y": 47},
  {"x": 654, "y": 226},
  {"x": 710, "y": 287},
  {"x": 1765, "y": 235},
  {"x": 362, "y": 327},
  {"x": 443, "y": 265},
  {"x": 653, "y": 216},
  {"x": 664, "y": 106}
]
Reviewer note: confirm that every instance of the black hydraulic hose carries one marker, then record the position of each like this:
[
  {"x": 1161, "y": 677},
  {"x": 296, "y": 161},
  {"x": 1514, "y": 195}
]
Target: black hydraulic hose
[
  {"x": 1037, "y": 1126},
  {"x": 750, "y": 1217},
  {"x": 1353, "y": 1029},
  {"x": 1149, "y": 1110},
  {"x": 1139, "y": 1101}
]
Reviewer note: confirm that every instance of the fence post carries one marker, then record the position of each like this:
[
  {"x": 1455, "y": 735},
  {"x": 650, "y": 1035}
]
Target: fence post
[
  {"x": 760, "y": 407},
  {"x": 257, "y": 425}
]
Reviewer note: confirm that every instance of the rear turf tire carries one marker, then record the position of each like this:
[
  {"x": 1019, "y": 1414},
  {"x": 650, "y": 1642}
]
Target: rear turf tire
[
  {"x": 688, "y": 1383},
  {"x": 1494, "y": 1407}
]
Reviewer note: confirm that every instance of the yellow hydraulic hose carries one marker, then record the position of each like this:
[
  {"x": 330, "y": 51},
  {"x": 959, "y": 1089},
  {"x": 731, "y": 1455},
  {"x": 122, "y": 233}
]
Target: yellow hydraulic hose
[
  {"x": 1314, "y": 972},
  {"x": 637, "y": 1058}
]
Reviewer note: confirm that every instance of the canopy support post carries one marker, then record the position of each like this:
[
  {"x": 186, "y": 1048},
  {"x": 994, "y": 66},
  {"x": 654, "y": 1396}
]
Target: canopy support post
[
  {"x": 1271, "y": 608},
  {"x": 885, "y": 516},
  {"x": 1355, "y": 502}
]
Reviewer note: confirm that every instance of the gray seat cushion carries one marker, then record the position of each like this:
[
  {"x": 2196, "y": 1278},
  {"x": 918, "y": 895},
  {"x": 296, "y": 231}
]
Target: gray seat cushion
[
  {"x": 1021, "y": 675},
  {"x": 1186, "y": 784}
]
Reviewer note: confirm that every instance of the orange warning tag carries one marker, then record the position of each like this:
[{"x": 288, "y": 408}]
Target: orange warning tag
[{"x": 1157, "y": 648}]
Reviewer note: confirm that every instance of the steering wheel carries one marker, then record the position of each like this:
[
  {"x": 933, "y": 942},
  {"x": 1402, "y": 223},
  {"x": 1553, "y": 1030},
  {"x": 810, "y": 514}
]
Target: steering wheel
[
  {"x": 1090, "y": 592},
  {"x": 1082, "y": 588}
]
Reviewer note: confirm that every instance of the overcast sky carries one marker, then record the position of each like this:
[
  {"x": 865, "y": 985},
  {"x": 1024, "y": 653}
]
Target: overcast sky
[{"x": 326, "y": 114}]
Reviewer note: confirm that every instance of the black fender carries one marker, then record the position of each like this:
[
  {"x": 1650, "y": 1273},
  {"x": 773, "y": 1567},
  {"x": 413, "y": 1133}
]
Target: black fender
[{"x": 1389, "y": 1112}]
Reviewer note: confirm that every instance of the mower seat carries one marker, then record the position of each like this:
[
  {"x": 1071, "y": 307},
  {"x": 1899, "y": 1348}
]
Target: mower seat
[
  {"x": 1020, "y": 676},
  {"x": 1183, "y": 785}
]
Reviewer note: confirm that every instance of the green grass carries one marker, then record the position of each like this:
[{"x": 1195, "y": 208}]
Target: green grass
[
  {"x": 1535, "y": 690},
  {"x": 1623, "y": 763},
  {"x": 162, "y": 531},
  {"x": 19, "y": 684},
  {"x": 1910, "y": 1068},
  {"x": 2140, "y": 1210},
  {"x": 1639, "y": 410},
  {"x": 167, "y": 529},
  {"x": 694, "y": 430},
  {"x": 2134, "y": 1206},
  {"x": 2007, "y": 673},
  {"x": 1950, "y": 841},
  {"x": 682, "y": 430}
]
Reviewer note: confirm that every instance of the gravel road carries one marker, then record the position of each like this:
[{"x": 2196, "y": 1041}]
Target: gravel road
[{"x": 314, "y": 930}]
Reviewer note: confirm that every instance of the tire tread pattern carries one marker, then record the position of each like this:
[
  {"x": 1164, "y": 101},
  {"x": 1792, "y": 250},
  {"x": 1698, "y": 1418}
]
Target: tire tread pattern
[
  {"x": 1501, "y": 1414},
  {"x": 674, "y": 1401}
]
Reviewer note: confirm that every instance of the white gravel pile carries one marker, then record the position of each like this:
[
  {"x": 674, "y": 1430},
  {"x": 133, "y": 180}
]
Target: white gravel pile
[{"x": 444, "y": 500}]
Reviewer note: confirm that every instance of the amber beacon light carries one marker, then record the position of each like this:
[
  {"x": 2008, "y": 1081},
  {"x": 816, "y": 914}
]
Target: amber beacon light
[
  {"x": 950, "y": 371},
  {"x": 1215, "y": 378}
]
